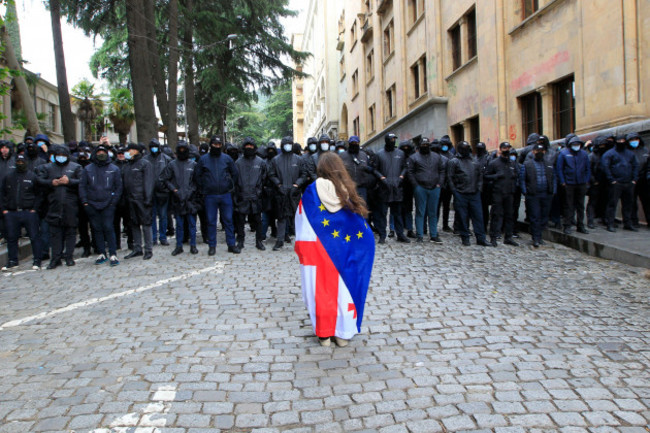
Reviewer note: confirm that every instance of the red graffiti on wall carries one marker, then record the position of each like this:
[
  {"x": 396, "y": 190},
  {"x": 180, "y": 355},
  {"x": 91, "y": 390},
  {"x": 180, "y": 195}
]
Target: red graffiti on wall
[
  {"x": 513, "y": 133},
  {"x": 528, "y": 77}
]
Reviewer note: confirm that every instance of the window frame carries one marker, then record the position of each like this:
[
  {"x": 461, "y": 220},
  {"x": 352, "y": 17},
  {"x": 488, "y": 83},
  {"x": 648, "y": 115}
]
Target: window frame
[
  {"x": 389, "y": 38},
  {"x": 372, "y": 110},
  {"x": 391, "y": 103},
  {"x": 558, "y": 111},
  {"x": 456, "y": 46},
  {"x": 472, "y": 37},
  {"x": 529, "y": 8},
  {"x": 536, "y": 122}
]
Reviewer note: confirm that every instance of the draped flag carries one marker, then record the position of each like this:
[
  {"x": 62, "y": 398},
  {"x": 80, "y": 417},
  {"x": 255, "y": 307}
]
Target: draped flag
[{"x": 336, "y": 252}]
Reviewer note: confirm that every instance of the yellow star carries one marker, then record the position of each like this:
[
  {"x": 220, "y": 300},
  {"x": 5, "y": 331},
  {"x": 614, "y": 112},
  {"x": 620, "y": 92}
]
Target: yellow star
[
  {"x": 347, "y": 238},
  {"x": 335, "y": 234},
  {"x": 326, "y": 222},
  {"x": 359, "y": 235},
  {"x": 321, "y": 207}
]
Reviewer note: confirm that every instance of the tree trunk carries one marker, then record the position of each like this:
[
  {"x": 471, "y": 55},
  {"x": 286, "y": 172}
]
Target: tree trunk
[
  {"x": 172, "y": 93},
  {"x": 190, "y": 100},
  {"x": 88, "y": 131},
  {"x": 67, "y": 121},
  {"x": 156, "y": 68},
  {"x": 21, "y": 85},
  {"x": 123, "y": 137},
  {"x": 141, "y": 78}
]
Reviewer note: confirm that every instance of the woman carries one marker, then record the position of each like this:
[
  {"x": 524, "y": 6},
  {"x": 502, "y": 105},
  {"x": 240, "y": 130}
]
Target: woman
[{"x": 336, "y": 249}]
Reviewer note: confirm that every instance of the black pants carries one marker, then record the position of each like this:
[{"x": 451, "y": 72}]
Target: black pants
[
  {"x": 102, "y": 224},
  {"x": 516, "y": 203},
  {"x": 382, "y": 218},
  {"x": 574, "y": 204},
  {"x": 15, "y": 221},
  {"x": 62, "y": 240},
  {"x": 593, "y": 204},
  {"x": 625, "y": 193},
  {"x": 501, "y": 215},
  {"x": 445, "y": 203},
  {"x": 84, "y": 231},
  {"x": 485, "y": 204},
  {"x": 255, "y": 219},
  {"x": 203, "y": 222},
  {"x": 641, "y": 193},
  {"x": 122, "y": 217},
  {"x": 556, "y": 206},
  {"x": 539, "y": 207}
]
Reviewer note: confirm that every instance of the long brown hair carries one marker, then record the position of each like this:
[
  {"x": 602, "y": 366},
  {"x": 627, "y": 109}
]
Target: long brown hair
[{"x": 330, "y": 167}]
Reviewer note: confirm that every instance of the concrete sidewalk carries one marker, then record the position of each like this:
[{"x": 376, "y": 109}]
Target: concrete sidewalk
[{"x": 631, "y": 248}]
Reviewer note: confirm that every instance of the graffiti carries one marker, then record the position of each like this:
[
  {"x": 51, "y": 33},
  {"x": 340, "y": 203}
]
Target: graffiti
[
  {"x": 513, "y": 133},
  {"x": 528, "y": 77},
  {"x": 452, "y": 87}
]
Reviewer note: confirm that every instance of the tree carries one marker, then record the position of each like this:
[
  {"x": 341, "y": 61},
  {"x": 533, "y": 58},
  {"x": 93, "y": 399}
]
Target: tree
[
  {"x": 121, "y": 112},
  {"x": 246, "y": 120},
  {"x": 16, "y": 70},
  {"x": 67, "y": 121},
  {"x": 89, "y": 106},
  {"x": 279, "y": 111},
  {"x": 189, "y": 106}
]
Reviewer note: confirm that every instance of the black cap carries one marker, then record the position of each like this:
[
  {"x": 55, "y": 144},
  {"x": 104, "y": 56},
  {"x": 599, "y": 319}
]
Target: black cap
[
  {"x": 134, "y": 146},
  {"x": 101, "y": 148}
]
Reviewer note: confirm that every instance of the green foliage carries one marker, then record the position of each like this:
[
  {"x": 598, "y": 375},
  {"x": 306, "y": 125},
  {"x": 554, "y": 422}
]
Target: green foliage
[
  {"x": 279, "y": 112},
  {"x": 110, "y": 62},
  {"x": 120, "y": 110},
  {"x": 5, "y": 72}
]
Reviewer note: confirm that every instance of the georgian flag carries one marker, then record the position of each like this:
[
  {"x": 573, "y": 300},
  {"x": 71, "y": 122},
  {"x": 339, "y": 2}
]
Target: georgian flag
[{"x": 336, "y": 252}]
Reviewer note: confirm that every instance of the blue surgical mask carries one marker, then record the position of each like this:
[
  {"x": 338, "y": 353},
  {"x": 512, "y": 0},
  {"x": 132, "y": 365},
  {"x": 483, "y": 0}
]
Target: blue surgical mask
[
  {"x": 445, "y": 148},
  {"x": 288, "y": 147},
  {"x": 634, "y": 144},
  {"x": 324, "y": 147},
  {"x": 111, "y": 155},
  {"x": 154, "y": 150},
  {"x": 332, "y": 148},
  {"x": 127, "y": 156},
  {"x": 575, "y": 148},
  {"x": 340, "y": 151},
  {"x": 312, "y": 148},
  {"x": 61, "y": 159},
  {"x": 513, "y": 157},
  {"x": 40, "y": 143},
  {"x": 51, "y": 158}
]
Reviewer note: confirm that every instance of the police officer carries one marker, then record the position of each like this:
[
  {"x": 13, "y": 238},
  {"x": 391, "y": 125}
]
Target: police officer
[
  {"x": 249, "y": 192},
  {"x": 19, "y": 201},
  {"x": 180, "y": 178},
  {"x": 61, "y": 183},
  {"x": 501, "y": 171},
  {"x": 139, "y": 183},
  {"x": 287, "y": 175}
]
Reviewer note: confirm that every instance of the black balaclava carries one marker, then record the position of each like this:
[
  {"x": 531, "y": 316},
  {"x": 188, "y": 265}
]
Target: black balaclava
[
  {"x": 389, "y": 142},
  {"x": 32, "y": 151},
  {"x": 621, "y": 143},
  {"x": 543, "y": 139},
  {"x": 538, "y": 152},
  {"x": 481, "y": 148},
  {"x": 271, "y": 151},
  {"x": 505, "y": 150},
  {"x": 214, "y": 150},
  {"x": 435, "y": 145},
  {"x": 249, "y": 152},
  {"x": 425, "y": 146},
  {"x": 21, "y": 164},
  {"x": 354, "y": 147},
  {"x": 182, "y": 151},
  {"x": 406, "y": 146},
  {"x": 464, "y": 149}
]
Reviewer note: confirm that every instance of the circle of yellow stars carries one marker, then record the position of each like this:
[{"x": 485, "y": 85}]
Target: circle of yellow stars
[{"x": 336, "y": 233}]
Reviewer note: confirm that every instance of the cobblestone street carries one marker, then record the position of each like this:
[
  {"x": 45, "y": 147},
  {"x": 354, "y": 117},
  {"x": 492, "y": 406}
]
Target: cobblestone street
[{"x": 454, "y": 339}]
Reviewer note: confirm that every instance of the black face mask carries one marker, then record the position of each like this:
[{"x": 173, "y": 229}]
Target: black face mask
[
  {"x": 464, "y": 152},
  {"x": 21, "y": 167},
  {"x": 354, "y": 148},
  {"x": 480, "y": 151},
  {"x": 32, "y": 152},
  {"x": 215, "y": 151},
  {"x": 390, "y": 146},
  {"x": 505, "y": 154},
  {"x": 102, "y": 157},
  {"x": 425, "y": 149},
  {"x": 249, "y": 152},
  {"x": 620, "y": 146},
  {"x": 539, "y": 156},
  {"x": 183, "y": 154}
]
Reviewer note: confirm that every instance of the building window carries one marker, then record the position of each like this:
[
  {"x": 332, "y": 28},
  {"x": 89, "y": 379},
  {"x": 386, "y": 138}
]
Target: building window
[
  {"x": 389, "y": 34},
  {"x": 51, "y": 117},
  {"x": 355, "y": 126},
  {"x": 342, "y": 68},
  {"x": 470, "y": 20},
  {"x": 371, "y": 118},
  {"x": 564, "y": 107},
  {"x": 353, "y": 35},
  {"x": 370, "y": 65},
  {"x": 419, "y": 78},
  {"x": 457, "y": 133},
  {"x": 531, "y": 114},
  {"x": 454, "y": 38},
  {"x": 529, "y": 7},
  {"x": 355, "y": 83},
  {"x": 474, "y": 131},
  {"x": 390, "y": 103},
  {"x": 415, "y": 10}
]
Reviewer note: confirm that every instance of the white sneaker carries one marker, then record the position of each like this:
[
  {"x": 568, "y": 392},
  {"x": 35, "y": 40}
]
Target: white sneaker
[
  {"x": 36, "y": 268},
  {"x": 325, "y": 342}
]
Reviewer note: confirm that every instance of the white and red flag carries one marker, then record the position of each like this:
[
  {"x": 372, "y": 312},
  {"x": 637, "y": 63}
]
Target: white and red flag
[{"x": 336, "y": 252}]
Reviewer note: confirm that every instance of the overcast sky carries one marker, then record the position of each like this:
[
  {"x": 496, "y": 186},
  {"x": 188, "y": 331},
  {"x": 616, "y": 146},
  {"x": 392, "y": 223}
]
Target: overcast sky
[{"x": 38, "y": 50}]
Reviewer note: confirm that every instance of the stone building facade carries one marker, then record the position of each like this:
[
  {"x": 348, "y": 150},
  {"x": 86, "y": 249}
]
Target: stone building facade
[{"x": 493, "y": 70}]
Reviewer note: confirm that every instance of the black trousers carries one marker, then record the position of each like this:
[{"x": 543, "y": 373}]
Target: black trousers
[
  {"x": 62, "y": 241},
  {"x": 85, "y": 230},
  {"x": 516, "y": 203},
  {"x": 445, "y": 204},
  {"x": 122, "y": 217},
  {"x": 539, "y": 206},
  {"x": 594, "y": 209},
  {"x": 501, "y": 215},
  {"x": 255, "y": 219},
  {"x": 574, "y": 204},
  {"x": 381, "y": 219},
  {"x": 625, "y": 193}
]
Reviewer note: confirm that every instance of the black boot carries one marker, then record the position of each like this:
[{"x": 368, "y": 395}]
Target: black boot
[
  {"x": 260, "y": 246},
  {"x": 278, "y": 246}
]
